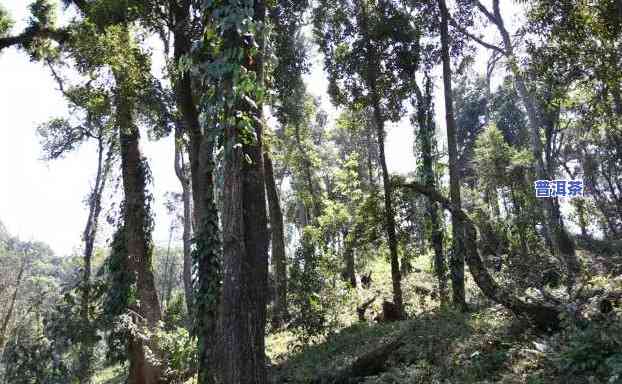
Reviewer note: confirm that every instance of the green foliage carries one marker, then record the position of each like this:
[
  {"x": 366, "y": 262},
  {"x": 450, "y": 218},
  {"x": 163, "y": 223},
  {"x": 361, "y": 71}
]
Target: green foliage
[
  {"x": 290, "y": 51},
  {"x": 207, "y": 259},
  {"x": 58, "y": 137},
  {"x": 6, "y": 23},
  {"x": 305, "y": 283},
  {"x": 592, "y": 345},
  {"x": 175, "y": 313},
  {"x": 38, "y": 336},
  {"x": 207, "y": 267},
  {"x": 110, "y": 12},
  {"x": 177, "y": 351},
  {"x": 232, "y": 44},
  {"x": 371, "y": 51},
  {"x": 437, "y": 346},
  {"x": 43, "y": 14},
  {"x": 508, "y": 116},
  {"x": 595, "y": 348},
  {"x": 120, "y": 294},
  {"x": 33, "y": 357},
  {"x": 492, "y": 158}
]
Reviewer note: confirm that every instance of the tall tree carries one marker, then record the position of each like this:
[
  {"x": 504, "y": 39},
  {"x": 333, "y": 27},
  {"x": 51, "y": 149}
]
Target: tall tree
[
  {"x": 136, "y": 219},
  {"x": 369, "y": 65},
  {"x": 240, "y": 28},
  {"x": 277, "y": 243},
  {"x": 456, "y": 263},
  {"x": 58, "y": 137},
  {"x": 104, "y": 40},
  {"x": 182, "y": 25},
  {"x": 182, "y": 173},
  {"x": 286, "y": 18},
  {"x": 424, "y": 118},
  {"x": 132, "y": 85}
]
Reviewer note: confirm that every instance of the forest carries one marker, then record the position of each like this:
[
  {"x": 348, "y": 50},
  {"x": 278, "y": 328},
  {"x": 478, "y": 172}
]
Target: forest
[{"x": 296, "y": 253}]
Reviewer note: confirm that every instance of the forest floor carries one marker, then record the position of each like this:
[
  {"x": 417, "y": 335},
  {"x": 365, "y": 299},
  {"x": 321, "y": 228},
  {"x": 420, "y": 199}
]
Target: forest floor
[
  {"x": 435, "y": 347},
  {"x": 486, "y": 345}
]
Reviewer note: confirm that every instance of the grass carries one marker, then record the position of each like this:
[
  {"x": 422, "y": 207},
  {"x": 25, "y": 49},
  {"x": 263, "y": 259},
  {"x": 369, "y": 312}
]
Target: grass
[
  {"x": 115, "y": 374},
  {"x": 487, "y": 345},
  {"x": 438, "y": 346}
]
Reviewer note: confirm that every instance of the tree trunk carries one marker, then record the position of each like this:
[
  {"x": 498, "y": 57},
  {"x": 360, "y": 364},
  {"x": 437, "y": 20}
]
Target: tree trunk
[
  {"x": 389, "y": 214},
  {"x": 279, "y": 260},
  {"x": 457, "y": 257},
  {"x": 543, "y": 316},
  {"x": 5, "y": 322},
  {"x": 426, "y": 133},
  {"x": 348, "y": 254},
  {"x": 308, "y": 175},
  {"x": 582, "y": 216},
  {"x": 167, "y": 286},
  {"x": 370, "y": 167},
  {"x": 207, "y": 256},
  {"x": 245, "y": 232},
  {"x": 245, "y": 263},
  {"x": 182, "y": 175},
  {"x": 138, "y": 228},
  {"x": 378, "y": 118}
]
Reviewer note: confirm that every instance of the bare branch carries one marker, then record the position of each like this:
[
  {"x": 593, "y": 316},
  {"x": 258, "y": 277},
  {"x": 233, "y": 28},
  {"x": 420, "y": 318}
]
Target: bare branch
[
  {"x": 475, "y": 38},
  {"x": 486, "y": 12},
  {"x": 59, "y": 80}
]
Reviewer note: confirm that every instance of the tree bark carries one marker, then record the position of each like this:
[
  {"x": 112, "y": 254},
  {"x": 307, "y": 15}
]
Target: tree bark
[
  {"x": 245, "y": 232},
  {"x": 457, "y": 257},
  {"x": 348, "y": 254},
  {"x": 389, "y": 214},
  {"x": 279, "y": 260}
]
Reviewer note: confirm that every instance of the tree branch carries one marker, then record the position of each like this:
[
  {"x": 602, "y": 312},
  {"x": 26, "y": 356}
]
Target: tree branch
[
  {"x": 481, "y": 42},
  {"x": 486, "y": 12},
  {"x": 31, "y": 33}
]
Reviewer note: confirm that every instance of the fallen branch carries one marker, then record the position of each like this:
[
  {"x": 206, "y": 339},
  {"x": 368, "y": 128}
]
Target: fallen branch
[
  {"x": 361, "y": 309},
  {"x": 369, "y": 364}
]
